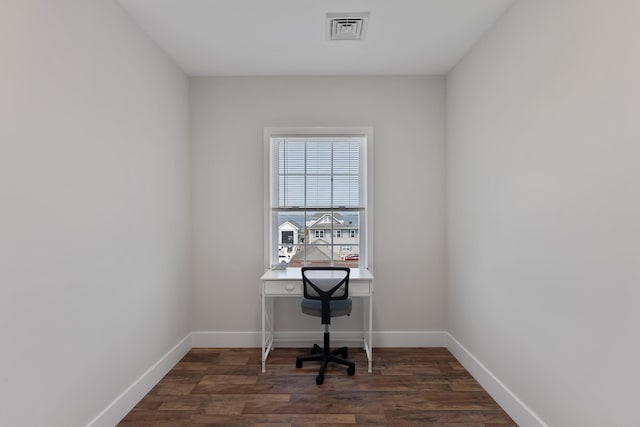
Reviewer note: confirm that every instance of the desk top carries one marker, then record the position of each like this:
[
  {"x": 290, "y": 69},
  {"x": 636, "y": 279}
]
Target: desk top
[{"x": 295, "y": 274}]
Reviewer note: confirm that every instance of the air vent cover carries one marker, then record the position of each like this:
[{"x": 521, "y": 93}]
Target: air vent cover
[{"x": 347, "y": 26}]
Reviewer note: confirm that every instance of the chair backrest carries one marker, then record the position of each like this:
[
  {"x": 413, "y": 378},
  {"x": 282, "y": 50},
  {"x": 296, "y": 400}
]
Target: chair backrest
[{"x": 326, "y": 284}]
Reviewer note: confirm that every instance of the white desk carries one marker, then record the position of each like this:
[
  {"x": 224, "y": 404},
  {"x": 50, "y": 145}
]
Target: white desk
[{"x": 288, "y": 283}]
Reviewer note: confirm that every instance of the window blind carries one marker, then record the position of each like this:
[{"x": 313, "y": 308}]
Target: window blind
[{"x": 317, "y": 172}]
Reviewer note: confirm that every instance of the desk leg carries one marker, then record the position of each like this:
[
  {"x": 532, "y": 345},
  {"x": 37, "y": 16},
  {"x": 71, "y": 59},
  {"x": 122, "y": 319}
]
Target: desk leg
[
  {"x": 365, "y": 326},
  {"x": 264, "y": 338},
  {"x": 370, "y": 331},
  {"x": 270, "y": 331},
  {"x": 367, "y": 332},
  {"x": 267, "y": 329}
]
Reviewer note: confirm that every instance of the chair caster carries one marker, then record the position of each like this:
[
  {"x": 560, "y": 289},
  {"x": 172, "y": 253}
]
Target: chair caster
[
  {"x": 345, "y": 354},
  {"x": 316, "y": 349},
  {"x": 319, "y": 379},
  {"x": 298, "y": 363},
  {"x": 351, "y": 370}
]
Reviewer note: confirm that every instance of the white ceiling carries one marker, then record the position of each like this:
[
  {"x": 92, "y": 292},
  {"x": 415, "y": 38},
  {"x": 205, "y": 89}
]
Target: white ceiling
[{"x": 288, "y": 37}]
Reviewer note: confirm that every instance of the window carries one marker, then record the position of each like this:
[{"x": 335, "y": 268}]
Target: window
[{"x": 317, "y": 191}]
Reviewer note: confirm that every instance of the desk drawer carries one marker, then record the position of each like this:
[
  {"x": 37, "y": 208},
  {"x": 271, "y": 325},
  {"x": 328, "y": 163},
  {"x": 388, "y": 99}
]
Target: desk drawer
[{"x": 290, "y": 287}]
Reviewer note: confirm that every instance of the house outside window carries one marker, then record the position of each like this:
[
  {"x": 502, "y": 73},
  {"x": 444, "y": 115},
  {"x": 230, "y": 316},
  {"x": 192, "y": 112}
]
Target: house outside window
[{"x": 316, "y": 196}]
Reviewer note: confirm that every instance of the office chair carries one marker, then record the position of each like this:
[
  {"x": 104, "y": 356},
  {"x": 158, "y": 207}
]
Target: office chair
[{"x": 326, "y": 295}]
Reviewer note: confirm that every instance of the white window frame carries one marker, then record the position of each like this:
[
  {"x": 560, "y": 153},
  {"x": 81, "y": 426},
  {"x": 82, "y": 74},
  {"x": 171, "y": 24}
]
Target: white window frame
[{"x": 366, "y": 226}]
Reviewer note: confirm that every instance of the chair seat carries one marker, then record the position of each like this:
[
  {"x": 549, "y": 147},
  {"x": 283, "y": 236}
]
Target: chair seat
[{"x": 338, "y": 307}]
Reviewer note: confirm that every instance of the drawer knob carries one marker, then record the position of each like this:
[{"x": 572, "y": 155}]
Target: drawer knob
[{"x": 289, "y": 287}]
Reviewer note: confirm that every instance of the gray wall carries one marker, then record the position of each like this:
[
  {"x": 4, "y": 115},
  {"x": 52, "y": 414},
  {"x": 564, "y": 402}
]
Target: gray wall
[
  {"x": 543, "y": 147},
  {"x": 228, "y": 117},
  {"x": 94, "y": 208}
]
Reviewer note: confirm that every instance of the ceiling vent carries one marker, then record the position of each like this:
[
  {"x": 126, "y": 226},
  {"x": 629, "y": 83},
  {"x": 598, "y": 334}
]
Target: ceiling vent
[{"x": 347, "y": 26}]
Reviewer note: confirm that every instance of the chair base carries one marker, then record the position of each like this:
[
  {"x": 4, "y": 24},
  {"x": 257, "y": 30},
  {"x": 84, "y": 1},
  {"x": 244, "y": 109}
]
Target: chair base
[{"x": 324, "y": 355}]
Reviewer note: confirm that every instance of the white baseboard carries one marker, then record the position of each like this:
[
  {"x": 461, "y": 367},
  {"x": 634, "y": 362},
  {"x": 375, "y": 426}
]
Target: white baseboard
[
  {"x": 130, "y": 397},
  {"x": 308, "y": 338},
  {"x": 409, "y": 339},
  {"x": 304, "y": 338},
  {"x": 218, "y": 339},
  {"x": 517, "y": 410}
]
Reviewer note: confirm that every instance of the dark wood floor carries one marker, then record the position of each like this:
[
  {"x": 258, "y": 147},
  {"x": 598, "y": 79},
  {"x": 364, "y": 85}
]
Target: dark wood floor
[{"x": 408, "y": 386}]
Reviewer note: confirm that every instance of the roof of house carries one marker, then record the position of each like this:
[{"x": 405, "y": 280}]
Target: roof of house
[
  {"x": 316, "y": 253},
  {"x": 338, "y": 222},
  {"x": 293, "y": 223},
  {"x": 319, "y": 215}
]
